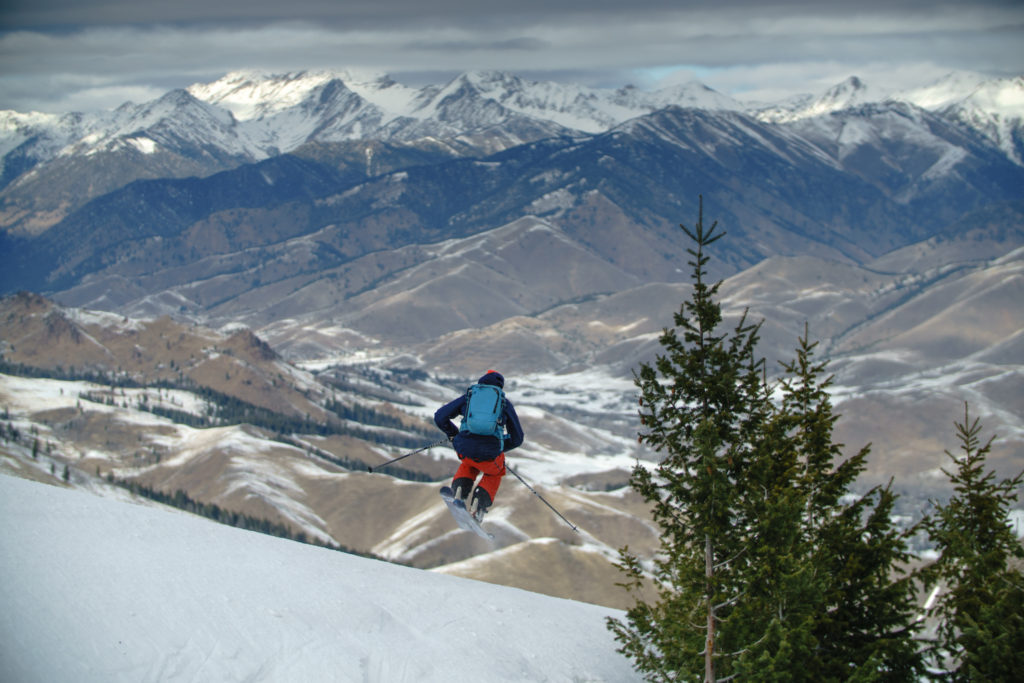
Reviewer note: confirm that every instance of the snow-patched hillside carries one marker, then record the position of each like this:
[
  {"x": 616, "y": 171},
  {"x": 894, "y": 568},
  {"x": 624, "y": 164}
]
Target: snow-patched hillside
[{"x": 95, "y": 589}]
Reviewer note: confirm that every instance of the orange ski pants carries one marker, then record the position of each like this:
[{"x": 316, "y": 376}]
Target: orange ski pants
[{"x": 493, "y": 471}]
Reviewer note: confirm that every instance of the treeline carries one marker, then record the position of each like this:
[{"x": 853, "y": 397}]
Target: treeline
[
  {"x": 182, "y": 501},
  {"x": 363, "y": 415},
  {"x": 69, "y": 374},
  {"x": 352, "y": 464},
  {"x": 174, "y": 415},
  {"x": 226, "y": 410},
  {"x": 230, "y": 410}
]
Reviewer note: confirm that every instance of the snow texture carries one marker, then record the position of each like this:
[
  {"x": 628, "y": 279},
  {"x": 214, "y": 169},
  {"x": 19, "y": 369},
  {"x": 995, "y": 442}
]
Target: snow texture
[{"x": 96, "y": 589}]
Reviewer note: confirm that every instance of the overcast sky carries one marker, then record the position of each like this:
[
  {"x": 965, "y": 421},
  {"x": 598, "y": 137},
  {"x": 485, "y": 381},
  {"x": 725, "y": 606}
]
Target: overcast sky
[{"x": 82, "y": 55}]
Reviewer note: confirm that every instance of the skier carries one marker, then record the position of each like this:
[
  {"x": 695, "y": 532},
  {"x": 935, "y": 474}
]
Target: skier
[{"x": 481, "y": 450}]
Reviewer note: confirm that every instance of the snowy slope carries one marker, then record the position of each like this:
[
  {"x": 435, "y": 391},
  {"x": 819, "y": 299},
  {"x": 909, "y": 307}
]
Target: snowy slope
[
  {"x": 996, "y": 110},
  {"x": 101, "y": 590}
]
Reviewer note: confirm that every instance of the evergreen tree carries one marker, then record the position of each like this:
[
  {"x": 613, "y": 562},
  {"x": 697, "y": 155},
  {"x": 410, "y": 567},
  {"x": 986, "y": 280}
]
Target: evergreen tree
[
  {"x": 699, "y": 402},
  {"x": 765, "y": 571},
  {"x": 980, "y": 607},
  {"x": 823, "y": 563}
]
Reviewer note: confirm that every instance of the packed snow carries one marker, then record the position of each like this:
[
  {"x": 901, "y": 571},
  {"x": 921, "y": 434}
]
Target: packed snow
[{"x": 96, "y": 589}]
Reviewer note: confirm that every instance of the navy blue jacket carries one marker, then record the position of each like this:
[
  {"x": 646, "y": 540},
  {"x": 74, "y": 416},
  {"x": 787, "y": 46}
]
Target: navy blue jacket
[{"x": 477, "y": 447}]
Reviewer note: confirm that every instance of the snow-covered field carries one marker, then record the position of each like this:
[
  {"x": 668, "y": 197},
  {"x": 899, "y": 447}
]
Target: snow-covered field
[{"x": 93, "y": 589}]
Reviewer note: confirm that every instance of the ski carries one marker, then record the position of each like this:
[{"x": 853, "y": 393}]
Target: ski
[{"x": 457, "y": 507}]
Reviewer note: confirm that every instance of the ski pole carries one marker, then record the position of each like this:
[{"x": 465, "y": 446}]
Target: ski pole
[
  {"x": 534, "y": 492},
  {"x": 418, "y": 450}
]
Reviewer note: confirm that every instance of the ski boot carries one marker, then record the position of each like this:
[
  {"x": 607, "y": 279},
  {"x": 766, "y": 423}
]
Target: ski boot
[
  {"x": 461, "y": 488},
  {"x": 479, "y": 504}
]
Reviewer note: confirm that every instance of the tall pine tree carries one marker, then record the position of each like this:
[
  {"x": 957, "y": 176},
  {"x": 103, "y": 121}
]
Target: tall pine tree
[
  {"x": 980, "y": 605},
  {"x": 699, "y": 403},
  {"x": 765, "y": 572}
]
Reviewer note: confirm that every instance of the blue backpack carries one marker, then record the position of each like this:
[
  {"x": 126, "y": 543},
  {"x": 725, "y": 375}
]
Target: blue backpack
[{"x": 485, "y": 412}]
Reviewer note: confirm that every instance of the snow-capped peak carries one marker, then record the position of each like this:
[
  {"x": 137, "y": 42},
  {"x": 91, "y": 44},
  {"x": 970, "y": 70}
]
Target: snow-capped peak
[
  {"x": 850, "y": 93},
  {"x": 993, "y": 107},
  {"x": 578, "y": 107},
  {"x": 696, "y": 95},
  {"x": 1004, "y": 97},
  {"x": 490, "y": 81},
  {"x": 176, "y": 118},
  {"x": 948, "y": 90},
  {"x": 250, "y": 94}
]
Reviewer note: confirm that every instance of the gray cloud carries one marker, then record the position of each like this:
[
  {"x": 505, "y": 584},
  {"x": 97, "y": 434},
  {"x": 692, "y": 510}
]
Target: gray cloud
[
  {"x": 59, "y": 55},
  {"x": 506, "y": 44},
  {"x": 43, "y": 14}
]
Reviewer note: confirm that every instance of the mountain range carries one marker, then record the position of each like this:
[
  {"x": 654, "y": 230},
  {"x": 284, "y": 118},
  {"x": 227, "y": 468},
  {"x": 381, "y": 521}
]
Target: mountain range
[
  {"x": 359, "y": 179},
  {"x": 286, "y": 246},
  {"x": 247, "y": 117}
]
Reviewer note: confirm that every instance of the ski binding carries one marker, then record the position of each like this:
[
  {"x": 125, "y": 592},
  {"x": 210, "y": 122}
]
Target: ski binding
[{"x": 457, "y": 507}]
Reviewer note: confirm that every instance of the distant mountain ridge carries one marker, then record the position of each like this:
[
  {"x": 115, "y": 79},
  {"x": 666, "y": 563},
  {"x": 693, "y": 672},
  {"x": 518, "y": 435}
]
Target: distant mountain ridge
[
  {"x": 385, "y": 175},
  {"x": 897, "y": 169},
  {"x": 263, "y": 114},
  {"x": 249, "y": 116}
]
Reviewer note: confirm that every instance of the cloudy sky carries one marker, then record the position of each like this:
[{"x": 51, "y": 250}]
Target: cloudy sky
[{"x": 82, "y": 55}]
